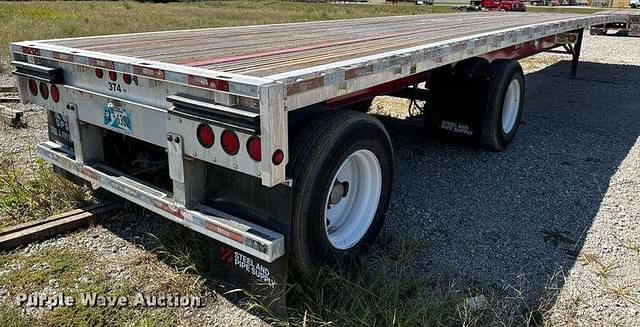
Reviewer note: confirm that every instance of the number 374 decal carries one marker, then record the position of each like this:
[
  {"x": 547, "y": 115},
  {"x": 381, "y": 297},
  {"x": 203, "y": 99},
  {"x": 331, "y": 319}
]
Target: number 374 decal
[{"x": 116, "y": 87}]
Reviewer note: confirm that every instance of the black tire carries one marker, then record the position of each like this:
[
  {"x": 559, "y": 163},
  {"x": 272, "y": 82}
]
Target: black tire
[
  {"x": 502, "y": 72},
  {"x": 316, "y": 156}
]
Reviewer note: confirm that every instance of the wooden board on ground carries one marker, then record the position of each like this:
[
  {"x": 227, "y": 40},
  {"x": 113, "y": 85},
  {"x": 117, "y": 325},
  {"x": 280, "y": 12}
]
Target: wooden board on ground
[
  {"x": 14, "y": 236},
  {"x": 11, "y": 117},
  {"x": 9, "y": 99},
  {"x": 8, "y": 89}
]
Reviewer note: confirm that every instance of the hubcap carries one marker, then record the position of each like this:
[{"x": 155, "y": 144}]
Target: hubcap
[
  {"x": 352, "y": 201},
  {"x": 511, "y": 106}
]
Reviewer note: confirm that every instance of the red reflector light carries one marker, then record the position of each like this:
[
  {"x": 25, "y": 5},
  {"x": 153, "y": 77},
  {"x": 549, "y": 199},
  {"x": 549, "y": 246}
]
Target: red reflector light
[
  {"x": 219, "y": 84},
  {"x": 205, "y": 135},
  {"x": 278, "y": 157},
  {"x": 224, "y": 232},
  {"x": 150, "y": 72},
  {"x": 254, "y": 148},
  {"x": 44, "y": 90},
  {"x": 210, "y": 83},
  {"x": 33, "y": 87},
  {"x": 31, "y": 51},
  {"x": 113, "y": 76},
  {"x": 230, "y": 142},
  {"x": 101, "y": 63},
  {"x": 99, "y": 73},
  {"x": 55, "y": 93},
  {"x": 126, "y": 78}
]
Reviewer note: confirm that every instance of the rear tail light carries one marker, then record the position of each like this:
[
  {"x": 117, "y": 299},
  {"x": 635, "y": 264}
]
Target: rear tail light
[
  {"x": 230, "y": 142},
  {"x": 113, "y": 76},
  {"x": 44, "y": 90},
  {"x": 278, "y": 157},
  {"x": 33, "y": 87},
  {"x": 126, "y": 78},
  {"x": 99, "y": 73},
  {"x": 205, "y": 135},
  {"x": 254, "y": 148},
  {"x": 55, "y": 93}
]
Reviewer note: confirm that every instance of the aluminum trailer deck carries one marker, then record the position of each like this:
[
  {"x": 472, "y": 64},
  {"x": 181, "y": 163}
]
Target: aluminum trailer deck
[
  {"x": 315, "y": 61},
  {"x": 212, "y": 108},
  {"x": 312, "y": 62},
  {"x": 272, "y": 51}
]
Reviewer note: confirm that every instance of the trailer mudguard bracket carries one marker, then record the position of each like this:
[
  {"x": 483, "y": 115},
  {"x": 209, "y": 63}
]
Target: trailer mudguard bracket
[
  {"x": 190, "y": 106},
  {"x": 52, "y": 75}
]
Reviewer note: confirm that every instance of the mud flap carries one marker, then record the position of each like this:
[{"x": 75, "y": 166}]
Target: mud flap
[
  {"x": 457, "y": 108},
  {"x": 265, "y": 282},
  {"x": 244, "y": 196}
]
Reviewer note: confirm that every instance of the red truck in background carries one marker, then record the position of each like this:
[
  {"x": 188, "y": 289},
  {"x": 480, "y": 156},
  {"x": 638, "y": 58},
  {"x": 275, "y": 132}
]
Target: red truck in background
[{"x": 499, "y": 5}]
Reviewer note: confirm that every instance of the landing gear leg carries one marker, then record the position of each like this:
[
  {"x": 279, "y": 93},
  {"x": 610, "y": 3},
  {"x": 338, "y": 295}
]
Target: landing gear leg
[{"x": 576, "y": 55}]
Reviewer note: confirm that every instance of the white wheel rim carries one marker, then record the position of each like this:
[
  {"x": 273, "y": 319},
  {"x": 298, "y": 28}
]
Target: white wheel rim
[
  {"x": 349, "y": 214},
  {"x": 511, "y": 106}
]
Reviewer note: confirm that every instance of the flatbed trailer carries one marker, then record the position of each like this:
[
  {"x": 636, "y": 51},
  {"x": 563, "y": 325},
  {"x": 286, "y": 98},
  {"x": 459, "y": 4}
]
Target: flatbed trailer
[
  {"x": 251, "y": 135},
  {"x": 631, "y": 27}
]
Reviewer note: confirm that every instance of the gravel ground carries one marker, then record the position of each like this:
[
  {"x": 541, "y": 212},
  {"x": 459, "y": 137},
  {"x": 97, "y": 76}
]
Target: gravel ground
[
  {"x": 558, "y": 210},
  {"x": 118, "y": 251},
  {"x": 19, "y": 143}
]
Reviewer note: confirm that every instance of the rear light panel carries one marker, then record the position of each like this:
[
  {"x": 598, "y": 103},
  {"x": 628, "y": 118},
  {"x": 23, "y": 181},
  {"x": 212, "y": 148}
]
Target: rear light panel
[
  {"x": 220, "y": 145},
  {"x": 113, "y": 76},
  {"x": 44, "y": 90}
]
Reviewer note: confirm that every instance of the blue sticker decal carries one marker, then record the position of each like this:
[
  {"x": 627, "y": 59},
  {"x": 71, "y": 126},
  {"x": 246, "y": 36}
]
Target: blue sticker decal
[{"x": 118, "y": 118}]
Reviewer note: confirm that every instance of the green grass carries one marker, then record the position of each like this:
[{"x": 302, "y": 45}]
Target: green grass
[
  {"x": 33, "y": 191},
  {"x": 34, "y": 273},
  {"x": 11, "y": 316},
  {"x": 44, "y": 20},
  {"x": 389, "y": 289}
]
